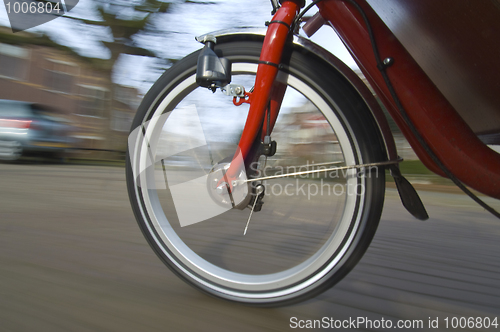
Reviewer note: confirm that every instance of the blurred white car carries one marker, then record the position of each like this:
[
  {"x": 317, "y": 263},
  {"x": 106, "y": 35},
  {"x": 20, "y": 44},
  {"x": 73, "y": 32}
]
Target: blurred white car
[{"x": 28, "y": 128}]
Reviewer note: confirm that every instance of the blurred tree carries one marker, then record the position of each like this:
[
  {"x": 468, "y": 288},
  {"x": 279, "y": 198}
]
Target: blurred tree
[{"x": 125, "y": 19}]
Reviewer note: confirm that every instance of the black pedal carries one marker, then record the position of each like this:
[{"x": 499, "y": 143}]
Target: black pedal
[{"x": 409, "y": 197}]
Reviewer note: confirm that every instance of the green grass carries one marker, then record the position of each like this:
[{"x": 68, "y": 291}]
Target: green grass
[
  {"x": 414, "y": 167},
  {"x": 414, "y": 170}
]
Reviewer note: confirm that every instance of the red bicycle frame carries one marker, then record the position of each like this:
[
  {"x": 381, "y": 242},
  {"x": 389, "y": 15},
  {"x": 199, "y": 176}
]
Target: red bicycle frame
[{"x": 446, "y": 133}]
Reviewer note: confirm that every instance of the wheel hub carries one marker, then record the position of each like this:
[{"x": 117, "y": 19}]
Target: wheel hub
[{"x": 217, "y": 184}]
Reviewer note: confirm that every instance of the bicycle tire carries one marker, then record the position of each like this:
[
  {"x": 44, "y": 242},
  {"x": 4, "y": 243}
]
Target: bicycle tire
[{"x": 281, "y": 261}]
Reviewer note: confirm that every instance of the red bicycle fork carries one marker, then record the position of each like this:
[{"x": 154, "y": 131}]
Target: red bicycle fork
[{"x": 267, "y": 93}]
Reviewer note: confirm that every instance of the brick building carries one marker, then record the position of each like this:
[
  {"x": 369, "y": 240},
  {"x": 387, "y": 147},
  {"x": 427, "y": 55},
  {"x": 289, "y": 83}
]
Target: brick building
[{"x": 70, "y": 85}]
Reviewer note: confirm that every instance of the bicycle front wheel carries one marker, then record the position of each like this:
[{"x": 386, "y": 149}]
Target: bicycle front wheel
[{"x": 311, "y": 229}]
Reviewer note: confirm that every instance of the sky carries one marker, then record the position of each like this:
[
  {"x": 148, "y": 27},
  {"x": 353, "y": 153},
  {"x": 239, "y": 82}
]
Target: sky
[{"x": 179, "y": 28}]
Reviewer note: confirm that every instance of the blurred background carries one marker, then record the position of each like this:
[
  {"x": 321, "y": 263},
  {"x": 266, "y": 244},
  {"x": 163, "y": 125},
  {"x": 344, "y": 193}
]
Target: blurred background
[
  {"x": 92, "y": 67},
  {"x": 72, "y": 257}
]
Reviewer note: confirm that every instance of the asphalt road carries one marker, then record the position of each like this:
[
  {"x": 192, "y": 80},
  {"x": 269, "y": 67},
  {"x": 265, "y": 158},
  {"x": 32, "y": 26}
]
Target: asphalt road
[{"x": 73, "y": 259}]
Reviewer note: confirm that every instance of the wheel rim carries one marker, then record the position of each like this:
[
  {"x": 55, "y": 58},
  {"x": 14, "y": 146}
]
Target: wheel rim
[{"x": 181, "y": 244}]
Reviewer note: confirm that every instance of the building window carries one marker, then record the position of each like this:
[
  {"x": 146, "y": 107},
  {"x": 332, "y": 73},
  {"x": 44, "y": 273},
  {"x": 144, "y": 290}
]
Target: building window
[
  {"x": 61, "y": 76},
  {"x": 93, "y": 101},
  {"x": 127, "y": 95},
  {"x": 121, "y": 121},
  {"x": 14, "y": 62}
]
